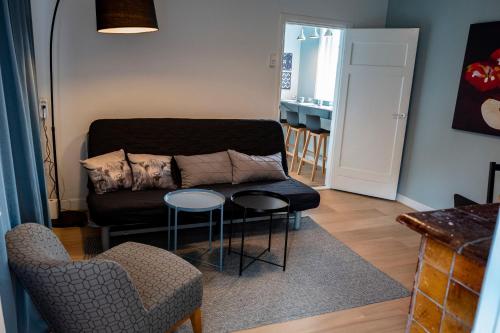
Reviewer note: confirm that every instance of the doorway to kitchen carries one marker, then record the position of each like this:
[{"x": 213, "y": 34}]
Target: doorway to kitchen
[{"x": 309, "y": 71}]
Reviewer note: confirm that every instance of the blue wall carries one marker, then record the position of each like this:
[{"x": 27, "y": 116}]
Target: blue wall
[{"x": 439, "y": 161}]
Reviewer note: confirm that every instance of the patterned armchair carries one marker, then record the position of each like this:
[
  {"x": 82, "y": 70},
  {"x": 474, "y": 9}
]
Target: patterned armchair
[{"x": 130, "y": 288}]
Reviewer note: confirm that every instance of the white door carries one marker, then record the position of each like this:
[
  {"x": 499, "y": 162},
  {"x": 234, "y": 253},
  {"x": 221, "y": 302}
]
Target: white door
[{"x": 370, "y": 123}]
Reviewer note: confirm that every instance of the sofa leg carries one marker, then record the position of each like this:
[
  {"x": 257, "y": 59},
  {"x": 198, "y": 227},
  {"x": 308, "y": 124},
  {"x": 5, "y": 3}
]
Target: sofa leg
[
  {"x": 105, "y": 238},
  {"x": 297, "y": 219},
  {"x": 196, "y": 321}
]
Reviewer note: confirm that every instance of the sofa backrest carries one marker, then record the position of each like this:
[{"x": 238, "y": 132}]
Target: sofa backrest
[
  {"x": 177, "y": 136},
  {"x": 56, "y": 284}
]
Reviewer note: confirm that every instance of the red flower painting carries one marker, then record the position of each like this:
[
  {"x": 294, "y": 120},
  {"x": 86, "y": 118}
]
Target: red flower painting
[
  {"x": 478, "y": 101},
  {"x": 495, "y": 56},
  {"x": 482, "y": 76}
]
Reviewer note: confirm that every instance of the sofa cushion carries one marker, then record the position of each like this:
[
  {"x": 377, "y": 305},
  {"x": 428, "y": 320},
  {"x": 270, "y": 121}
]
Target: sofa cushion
[
  {"x": 128, "y": 207},
  {"x": 204, "y": 169},
  {"x": 151, "y": 171},
  {"x": 147, "y": 207},
  {"x": 109, "y": 172},
  {"x": 302, "y": 197},
  {"x": 252, "y": 168}
]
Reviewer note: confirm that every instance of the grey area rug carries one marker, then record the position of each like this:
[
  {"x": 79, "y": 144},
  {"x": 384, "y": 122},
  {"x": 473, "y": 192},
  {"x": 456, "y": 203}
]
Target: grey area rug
[{"x": 323, "y": 275}]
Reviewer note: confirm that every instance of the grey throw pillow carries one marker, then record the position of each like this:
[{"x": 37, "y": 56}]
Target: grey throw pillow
[
  {"x": 109, "y": 172},
  {"x": 151, "y": 171},
  {"x": 204, "y": 169},
  {"x": 251, "y": 168}
]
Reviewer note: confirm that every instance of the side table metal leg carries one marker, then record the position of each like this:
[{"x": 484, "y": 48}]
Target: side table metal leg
[
  {"x": 221, "y": 250},
  {"x": 270, "y": 232},
  {"x": 286, "y": 239},
  {"x": 242, "y": 240},
  {"x": 210, "y": 233},
  {"x": 297, "y": 220},
  {"x": 230, "y": 231},
  {"x": 175, "y": 230}
]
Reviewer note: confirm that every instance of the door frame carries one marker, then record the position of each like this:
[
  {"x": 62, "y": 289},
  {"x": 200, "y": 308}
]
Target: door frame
[{"x": 287, "y": 18}]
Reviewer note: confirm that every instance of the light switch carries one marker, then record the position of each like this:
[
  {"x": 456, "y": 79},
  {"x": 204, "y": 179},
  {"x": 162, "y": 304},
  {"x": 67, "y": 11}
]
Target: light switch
[{"x": 273, "y": 58}]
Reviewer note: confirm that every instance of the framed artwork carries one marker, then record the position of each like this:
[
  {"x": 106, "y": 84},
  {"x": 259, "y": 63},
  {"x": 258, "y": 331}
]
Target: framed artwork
[
  {"x": 286, "y": 80},
  {"x": 478, "y": 100},
  {"x": 287, "y": 62}
]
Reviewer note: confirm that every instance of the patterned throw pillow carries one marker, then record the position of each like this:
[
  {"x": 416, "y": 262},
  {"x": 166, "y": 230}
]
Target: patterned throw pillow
[
  {"x": 204, "y": 169},
  {"x": 151, "y": 171},
  {"x": 251, "y": 168},
  {"x": 109, "y": 172}
]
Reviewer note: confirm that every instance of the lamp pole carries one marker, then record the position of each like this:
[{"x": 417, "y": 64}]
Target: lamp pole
[{"x": 52, "y": 118}]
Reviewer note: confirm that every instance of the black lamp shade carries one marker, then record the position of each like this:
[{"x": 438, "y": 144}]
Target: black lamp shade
[{"x": 126, "y": 16}]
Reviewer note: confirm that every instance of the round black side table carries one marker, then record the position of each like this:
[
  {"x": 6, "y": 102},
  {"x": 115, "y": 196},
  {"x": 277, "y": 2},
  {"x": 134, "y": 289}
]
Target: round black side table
[{"x": 260, "y": 203}]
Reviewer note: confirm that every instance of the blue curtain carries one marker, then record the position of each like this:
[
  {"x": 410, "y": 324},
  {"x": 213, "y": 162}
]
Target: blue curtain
[{"x": 23, "y": 195}]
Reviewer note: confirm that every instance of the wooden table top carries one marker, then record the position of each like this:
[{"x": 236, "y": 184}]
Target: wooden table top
[{"x": 467, "y": 230}]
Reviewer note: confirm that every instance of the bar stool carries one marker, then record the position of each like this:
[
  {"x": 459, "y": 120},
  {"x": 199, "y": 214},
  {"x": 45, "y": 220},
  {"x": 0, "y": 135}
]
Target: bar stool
[
  {"x": 319, "y": 135},
  {"x": 296, "y": 127},
  {"x": 283, "y": 120}
]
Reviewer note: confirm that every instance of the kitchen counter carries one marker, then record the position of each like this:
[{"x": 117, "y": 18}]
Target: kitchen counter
[
  {"x": 453, "y": 255},
  {"x": 324, "y": 112}
]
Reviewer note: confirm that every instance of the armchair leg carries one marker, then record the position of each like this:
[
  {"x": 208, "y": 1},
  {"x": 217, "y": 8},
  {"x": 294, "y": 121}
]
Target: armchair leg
[
  {"x": 196, "y": 321},
  {"x": 105, "y": 238},
  {"x": 195, "y": 318}
]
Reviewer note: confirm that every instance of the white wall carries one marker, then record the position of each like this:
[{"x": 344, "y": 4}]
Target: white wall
[
  {"x": 209, "y": 60},
  {"x": 292, "y": 45}
]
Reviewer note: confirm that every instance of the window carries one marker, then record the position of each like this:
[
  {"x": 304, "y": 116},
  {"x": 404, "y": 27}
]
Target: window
[{"x": 326, "y": 71}]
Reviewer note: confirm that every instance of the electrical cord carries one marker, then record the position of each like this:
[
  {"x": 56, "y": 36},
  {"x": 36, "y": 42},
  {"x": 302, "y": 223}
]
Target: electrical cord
[{"x": 48, "y": 156}]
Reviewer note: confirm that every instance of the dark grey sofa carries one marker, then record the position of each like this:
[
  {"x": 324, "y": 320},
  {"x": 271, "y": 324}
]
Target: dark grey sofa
[{"x": 172, "y": 136}]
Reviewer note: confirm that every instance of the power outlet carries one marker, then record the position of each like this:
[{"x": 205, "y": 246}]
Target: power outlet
[{"x": 43, "y": 108}]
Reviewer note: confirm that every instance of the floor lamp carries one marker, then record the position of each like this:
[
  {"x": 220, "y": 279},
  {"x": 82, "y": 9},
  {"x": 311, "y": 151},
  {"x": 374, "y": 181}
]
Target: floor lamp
[{"x": 112, "y": 16}]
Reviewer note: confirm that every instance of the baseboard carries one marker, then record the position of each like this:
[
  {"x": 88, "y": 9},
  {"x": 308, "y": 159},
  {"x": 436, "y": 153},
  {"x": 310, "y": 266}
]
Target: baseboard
[
  {"x": 74, "y": 204},
  {"x": 412, "y": 203}
]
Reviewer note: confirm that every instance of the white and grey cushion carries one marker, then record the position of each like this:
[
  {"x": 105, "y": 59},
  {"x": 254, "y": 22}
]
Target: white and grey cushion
[
  {"x": 109, "y": 172},
  {"x": 151, "y": 171},
  {"x": 204, "y": 169},
  {"x": 130, "y": 288},
  {"x": 251, "y": 168}
]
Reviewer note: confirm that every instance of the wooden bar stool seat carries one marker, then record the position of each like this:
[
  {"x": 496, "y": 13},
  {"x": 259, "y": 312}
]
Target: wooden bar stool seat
[
  {"x": 298, "y": 129},
  {"x": 284, "y": 124},
  {"x": 320, "y": 137}
]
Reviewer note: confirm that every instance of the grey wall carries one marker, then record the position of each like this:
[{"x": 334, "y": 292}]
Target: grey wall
[
  {"x": 308, "y": 65},
  {"x": 439, "y": 161}
]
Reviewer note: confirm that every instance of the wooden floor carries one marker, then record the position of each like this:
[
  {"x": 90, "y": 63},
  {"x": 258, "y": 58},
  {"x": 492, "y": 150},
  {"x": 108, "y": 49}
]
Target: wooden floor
[
  {"x": 367, "y": 226},
  {"x": 305, "y": 175}
]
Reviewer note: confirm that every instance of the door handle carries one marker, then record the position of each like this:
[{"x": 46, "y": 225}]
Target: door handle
[{"x": 398, "y": 115}]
